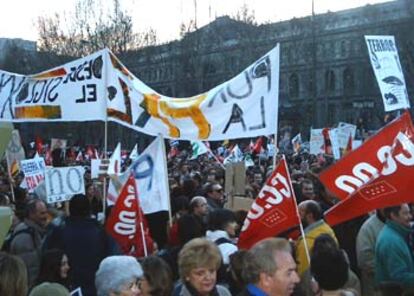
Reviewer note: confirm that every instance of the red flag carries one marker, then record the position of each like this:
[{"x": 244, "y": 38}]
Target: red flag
[
  {"x": 371, "y": 159},
  {"x": 273, "y": 211},
  {"x": 39, "y": 145},
  {"x": 258, "y": 146},
  {"x": 348, "y": 147},
  {"x": 125, "y": 220},
  {"x": 327, "y": 141},
  {"x": 389, "y": 189}
]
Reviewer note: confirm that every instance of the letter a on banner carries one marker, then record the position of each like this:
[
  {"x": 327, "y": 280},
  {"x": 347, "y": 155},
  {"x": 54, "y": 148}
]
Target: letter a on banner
[
  {"x": 273, "y": 211},
  {"x": 371, "y": 160}
]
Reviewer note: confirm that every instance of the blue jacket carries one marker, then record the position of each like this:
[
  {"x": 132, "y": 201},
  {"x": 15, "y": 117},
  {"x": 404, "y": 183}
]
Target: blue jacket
[{"x": 393, "y": 257}]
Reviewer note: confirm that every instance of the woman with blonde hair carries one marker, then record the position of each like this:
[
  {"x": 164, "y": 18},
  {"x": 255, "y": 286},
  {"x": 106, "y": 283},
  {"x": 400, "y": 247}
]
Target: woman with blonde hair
[
  {"x": 198, "y": 263},
  {"x": 13, "y": 275}
]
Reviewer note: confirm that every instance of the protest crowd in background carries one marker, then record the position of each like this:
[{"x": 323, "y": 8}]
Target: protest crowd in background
[
  {"x": 67, "y": 246},
  {"x": 232, "y": 212}
]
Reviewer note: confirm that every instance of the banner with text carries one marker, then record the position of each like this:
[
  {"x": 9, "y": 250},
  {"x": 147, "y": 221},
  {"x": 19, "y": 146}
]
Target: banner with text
[
  {"x": 383, "y": 53},
  {"x": 63, "y": 183},
  {"x": 372, "y": 159},
  {"x": 34, "y": 172}
]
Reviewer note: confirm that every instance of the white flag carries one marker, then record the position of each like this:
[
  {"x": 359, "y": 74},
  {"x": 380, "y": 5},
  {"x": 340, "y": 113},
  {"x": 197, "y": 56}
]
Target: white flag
[
  {"x": 114, "y": 167},
  {"x": 236, "y": 155},
  {"x": 134, "y": 153},
  {"x": 150, "y": 174}
]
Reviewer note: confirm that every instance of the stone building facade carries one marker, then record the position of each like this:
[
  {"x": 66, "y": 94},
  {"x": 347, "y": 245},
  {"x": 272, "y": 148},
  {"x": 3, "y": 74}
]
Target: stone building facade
[{"x": 325, "y": 76}]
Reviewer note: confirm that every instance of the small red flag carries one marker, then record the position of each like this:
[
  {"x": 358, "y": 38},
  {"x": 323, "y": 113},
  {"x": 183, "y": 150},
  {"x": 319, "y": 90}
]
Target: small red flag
[{"x": 273, "y": 211}]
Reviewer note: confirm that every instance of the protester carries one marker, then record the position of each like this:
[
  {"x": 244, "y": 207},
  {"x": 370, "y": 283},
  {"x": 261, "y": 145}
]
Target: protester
[
  {"x": 215, "y": 196},
  {"x": 13, "y": 276},
  {"x": 157, "y": 279},
  {"x": 54, "y": 268},
  {"x": 198, "y": 263},
  {"x": 235, "y": 269},
  {"x": 222, "y": 227},
  {"x": 49, "y": 289},
  {"x": 269, "y": 269},
  {"x": 84, "y": 241},
  {"x": 118, "y": 275},
  {"x": 365, "y": 251},
  {"x": 28, "y": 236},
  {"x": 193, "y": 224},
  {"x": 311, "y": 217},
  {"x": 393, "y": 256}
]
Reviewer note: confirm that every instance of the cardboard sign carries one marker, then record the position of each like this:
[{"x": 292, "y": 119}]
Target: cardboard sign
[
  {"x": 34, "y": 172},
  {"x": 63, "y": 183}
]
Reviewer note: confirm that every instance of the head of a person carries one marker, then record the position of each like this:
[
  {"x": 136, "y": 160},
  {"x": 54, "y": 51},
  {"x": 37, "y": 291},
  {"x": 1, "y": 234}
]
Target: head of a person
[
  {"x": 118, "y": 276},
  {"x": 198, "y": 206},
  {"x": 329, "y": 266},
  {"x": 36, "y": 211},
  {"x": 307, "y": 189},
  {"x": 270, "y": 266},
  {"x": 310, "y": 212},
  {"x": 79, "y": 206},
  {"x": 179, "y": 205},
  {"x": 13, "y": 275},
  {"x": 49, "y": 289},
  {"x": 399, "y": 214},
  {"x": 215, "y": 192},
  {"x": 236, "y": 267},
  {"x": 223, "y": 219},
  {"x": 157, "y": 279},
  {"x": 4, "y": 200},
  {"x": 198, "y": 262},
  {"x": 54, "y": 267}
]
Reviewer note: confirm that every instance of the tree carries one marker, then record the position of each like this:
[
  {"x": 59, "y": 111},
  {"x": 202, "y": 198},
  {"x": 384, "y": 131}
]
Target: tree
[{"x": 90, "y": 29}]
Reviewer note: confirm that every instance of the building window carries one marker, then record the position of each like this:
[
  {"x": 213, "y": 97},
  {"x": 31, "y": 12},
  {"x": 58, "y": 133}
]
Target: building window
[
  {"x": 294, "y": 85},
  {"x": 348, "y": 81},
  {"x": 330, "y": 80}
]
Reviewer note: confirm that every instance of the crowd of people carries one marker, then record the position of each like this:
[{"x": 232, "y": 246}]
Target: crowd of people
[{"x": 55, "y": 249}]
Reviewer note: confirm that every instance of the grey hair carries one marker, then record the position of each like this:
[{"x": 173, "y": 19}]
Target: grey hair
[
  {"x": 261, "y": 258},
  {"x": 115, "y": 271}
]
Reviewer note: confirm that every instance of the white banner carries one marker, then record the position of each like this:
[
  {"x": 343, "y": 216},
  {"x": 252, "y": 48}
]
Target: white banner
[
  {"x": 316, "y": 142},
  {"x": 63, "y": 183},
  {"x": 387, "y": 68},
  {"x": 150, "y": 175},
  {"x": 345, "y": 130},
  {"x": 99, "y": 87},
  {"x": 34, "y": 172},
  {"x": 245, "y": 106},
  {"x": 72, "y": 92},
  {"x": 333, "y": 135}
]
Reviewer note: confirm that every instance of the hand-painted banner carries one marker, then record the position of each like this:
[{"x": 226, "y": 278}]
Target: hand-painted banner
[
  {"x": 273, "y": 211},
  {"x": 72, "y": 92},
  {"x": 63, "y": 183},
  {"x": 99, "y": 87},
  {"x": 387, "y": 68},
  {"x": 34, "y": 172},
  {"x": 382, "y": 154},
  {"x": 245, "y": 106}
]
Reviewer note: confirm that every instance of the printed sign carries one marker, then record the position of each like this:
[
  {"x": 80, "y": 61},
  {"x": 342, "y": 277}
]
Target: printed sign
[
  {"x": 387, "y": 68},
  {"x": 63, "y": 183},
  {"x": 316, "y": 143},
  {"x": 34, "y": 172}
]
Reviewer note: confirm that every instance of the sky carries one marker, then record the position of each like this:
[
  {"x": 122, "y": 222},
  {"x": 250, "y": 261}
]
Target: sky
[{"x": 18, "y": 17}]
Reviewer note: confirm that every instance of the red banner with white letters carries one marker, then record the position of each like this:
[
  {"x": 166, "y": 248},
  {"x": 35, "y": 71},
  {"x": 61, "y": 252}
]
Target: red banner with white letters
[
  {"x": 125, "y": 220},
  {"x": 273, "y": 211},
  {"x": 381, "y": 155}
]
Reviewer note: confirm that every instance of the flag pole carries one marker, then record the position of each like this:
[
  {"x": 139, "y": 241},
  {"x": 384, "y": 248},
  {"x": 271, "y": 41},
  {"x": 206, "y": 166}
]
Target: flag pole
[
  {"x": 105, "y": 134},
  {"x": 215, "y": 158},
  {"x": 302, "y": 231},
  {"x": 167, "y": 187}
]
